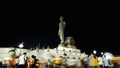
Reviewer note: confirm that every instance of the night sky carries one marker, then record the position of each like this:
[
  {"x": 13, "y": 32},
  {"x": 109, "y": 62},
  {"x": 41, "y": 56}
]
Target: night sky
[{"x": 93, "y": 26}]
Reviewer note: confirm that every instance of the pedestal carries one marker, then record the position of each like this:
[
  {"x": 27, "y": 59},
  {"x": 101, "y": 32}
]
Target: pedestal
[
  {"x": 71, "y": 46},
  {"x": 61, "y": 45}
]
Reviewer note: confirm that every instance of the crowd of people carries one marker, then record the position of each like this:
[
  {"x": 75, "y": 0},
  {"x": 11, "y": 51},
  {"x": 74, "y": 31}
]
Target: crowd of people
[
  {"x": 22, "y": 61},
  {"x": 91, "y": 61}
]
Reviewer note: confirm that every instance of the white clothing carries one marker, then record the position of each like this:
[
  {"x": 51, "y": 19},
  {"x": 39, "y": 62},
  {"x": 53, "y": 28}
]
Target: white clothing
[
  {"x": 22, "y": 60},
  {"x": 17, "y": 61},
  {"x": 71, "y": 62},
  {"x": 100, "y": 59},
  {"x": 105, "y": 61},
  {"x": 90, "y": 60}
]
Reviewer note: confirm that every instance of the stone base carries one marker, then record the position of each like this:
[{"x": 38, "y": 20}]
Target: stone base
[
  {"x": 61, "y": 45},
  {"x": 71, "y": 46}
]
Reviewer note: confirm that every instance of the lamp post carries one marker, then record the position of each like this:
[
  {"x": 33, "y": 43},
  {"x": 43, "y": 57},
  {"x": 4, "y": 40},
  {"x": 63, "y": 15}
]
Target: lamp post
[
  {"x": 21, "y": 46},
  {"x": 101, "y": 54}
]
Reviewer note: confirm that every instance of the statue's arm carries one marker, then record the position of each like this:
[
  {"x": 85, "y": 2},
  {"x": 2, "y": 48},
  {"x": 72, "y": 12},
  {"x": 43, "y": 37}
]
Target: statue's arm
[{"x": 64, "y": 24}]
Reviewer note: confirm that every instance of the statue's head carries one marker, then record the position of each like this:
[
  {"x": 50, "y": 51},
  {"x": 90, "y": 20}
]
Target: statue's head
[{"x": 61, "y": 18}]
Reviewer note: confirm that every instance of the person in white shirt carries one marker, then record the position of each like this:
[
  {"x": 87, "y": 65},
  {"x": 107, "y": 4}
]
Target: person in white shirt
[
  {"x": 105, "y": 60},
  {"x": 22, "y": 60},
  {"x": 100, "y": 62}
]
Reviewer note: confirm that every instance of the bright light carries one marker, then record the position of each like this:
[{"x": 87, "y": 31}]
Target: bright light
[
  {"x": 94, "y": 51},
  {"x": 21, "y": 45},
  {"x": 101, "y": 53}
]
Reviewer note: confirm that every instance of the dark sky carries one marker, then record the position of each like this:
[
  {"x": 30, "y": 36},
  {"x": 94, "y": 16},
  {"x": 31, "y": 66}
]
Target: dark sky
[{"x": 93, "y": 26}]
